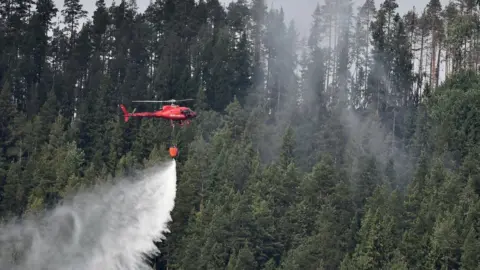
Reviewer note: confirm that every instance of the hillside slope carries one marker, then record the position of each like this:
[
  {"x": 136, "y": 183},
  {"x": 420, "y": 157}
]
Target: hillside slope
[{"x": 344, "y": 150}]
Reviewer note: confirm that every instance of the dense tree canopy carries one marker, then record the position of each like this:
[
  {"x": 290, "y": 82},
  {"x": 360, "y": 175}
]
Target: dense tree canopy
[{"x": 354, "y": 148}]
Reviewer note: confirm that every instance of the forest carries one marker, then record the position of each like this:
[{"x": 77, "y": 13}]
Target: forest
[{"x": 353, "y": 148}]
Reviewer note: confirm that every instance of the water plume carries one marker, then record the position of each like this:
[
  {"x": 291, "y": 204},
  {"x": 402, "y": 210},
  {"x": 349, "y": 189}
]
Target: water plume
[{"x": 109, "y": 227}]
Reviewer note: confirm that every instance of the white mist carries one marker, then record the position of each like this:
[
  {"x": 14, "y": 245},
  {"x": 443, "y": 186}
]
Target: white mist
[{"x": 109, "y": 228}]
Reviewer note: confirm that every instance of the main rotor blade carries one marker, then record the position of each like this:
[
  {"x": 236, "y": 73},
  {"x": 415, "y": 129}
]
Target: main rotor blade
[
  {"x": 188, "y": 99},
  {"x": 162, "y": 101},
  {"x": 153, "y": 101}
]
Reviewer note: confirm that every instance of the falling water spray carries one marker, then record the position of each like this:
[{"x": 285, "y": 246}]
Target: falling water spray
[{"x": 109, "y": 227}]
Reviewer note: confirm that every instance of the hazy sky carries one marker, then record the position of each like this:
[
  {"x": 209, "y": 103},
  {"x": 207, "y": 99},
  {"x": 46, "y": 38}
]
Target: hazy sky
[{"x": 299, "y": 10}]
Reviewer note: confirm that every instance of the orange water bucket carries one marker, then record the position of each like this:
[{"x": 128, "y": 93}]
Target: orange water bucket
[{"x": 173, "y": 151}]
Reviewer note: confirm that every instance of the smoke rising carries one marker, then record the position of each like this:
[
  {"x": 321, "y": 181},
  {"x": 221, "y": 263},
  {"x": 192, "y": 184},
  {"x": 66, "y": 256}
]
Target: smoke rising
[
  {"x": 316, "y": 80},
  {"x": 110, "y": 227}
]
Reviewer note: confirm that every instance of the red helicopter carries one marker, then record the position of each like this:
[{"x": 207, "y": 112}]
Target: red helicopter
[{"x": 172, "y": 112}]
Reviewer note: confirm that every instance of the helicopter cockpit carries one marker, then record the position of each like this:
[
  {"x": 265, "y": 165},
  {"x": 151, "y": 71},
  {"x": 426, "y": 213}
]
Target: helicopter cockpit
[{"x": 188, "y": 112}]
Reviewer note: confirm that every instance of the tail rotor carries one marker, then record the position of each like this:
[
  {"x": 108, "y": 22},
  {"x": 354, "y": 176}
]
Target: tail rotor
[{"x": 126, "y": 115}]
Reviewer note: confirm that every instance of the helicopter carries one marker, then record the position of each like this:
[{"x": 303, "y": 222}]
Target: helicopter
[{"x": 175, "y": 113}]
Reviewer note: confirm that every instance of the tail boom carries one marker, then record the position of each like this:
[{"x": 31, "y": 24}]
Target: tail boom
[{"x": 127, "y": 115}]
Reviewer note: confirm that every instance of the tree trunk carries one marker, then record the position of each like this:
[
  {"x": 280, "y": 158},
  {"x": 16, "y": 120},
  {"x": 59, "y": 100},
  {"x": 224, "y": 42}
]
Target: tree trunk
[{"x": 438, "y": 63}]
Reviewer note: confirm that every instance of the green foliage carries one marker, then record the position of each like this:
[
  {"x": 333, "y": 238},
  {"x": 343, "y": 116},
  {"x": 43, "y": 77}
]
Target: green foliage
[{"x": 362, "y": 160}]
